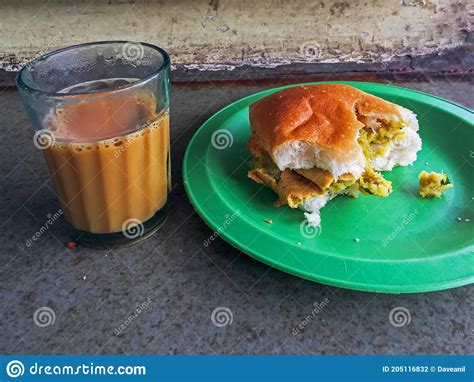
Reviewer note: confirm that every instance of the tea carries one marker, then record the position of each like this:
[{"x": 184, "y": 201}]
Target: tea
[{"x": 110, "y": 158}]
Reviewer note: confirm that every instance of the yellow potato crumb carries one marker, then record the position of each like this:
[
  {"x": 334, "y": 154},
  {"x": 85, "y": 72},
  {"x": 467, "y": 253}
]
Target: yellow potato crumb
[
  {"x": 433, "y": 184},
  {"x": 373, "y": 183}
]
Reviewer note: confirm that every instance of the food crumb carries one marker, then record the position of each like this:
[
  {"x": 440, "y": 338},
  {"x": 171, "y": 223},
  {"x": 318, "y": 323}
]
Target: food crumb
[
  {"x": 467, "y": 220},
  {"x": 299, "y": 243},
  {"x": 71, "y": 244},
  {"x": 356, "y": 239},
  {"x": 459, "y": 219},
  {"x": 433, "y": 184},
  {"x": 268, "y": 221},
  {"x": 84, "y": 277}
]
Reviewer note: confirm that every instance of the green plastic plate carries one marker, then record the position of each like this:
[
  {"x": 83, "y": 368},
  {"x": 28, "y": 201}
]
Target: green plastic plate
[{"x": 399, "y": 244}]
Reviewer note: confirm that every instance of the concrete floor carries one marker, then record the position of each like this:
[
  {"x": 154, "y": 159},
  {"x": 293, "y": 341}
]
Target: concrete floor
[
  {"x": 217, "y": 34},
  {"x": 92, "y": 293}
]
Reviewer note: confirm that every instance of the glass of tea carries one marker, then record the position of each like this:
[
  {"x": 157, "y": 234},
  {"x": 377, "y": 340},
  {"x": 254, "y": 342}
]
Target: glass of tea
[{"x": 101, "y": 115}]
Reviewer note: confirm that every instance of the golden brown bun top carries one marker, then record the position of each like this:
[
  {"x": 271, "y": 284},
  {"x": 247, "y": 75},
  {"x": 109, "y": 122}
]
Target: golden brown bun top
[{"x": 325, "y": 115}]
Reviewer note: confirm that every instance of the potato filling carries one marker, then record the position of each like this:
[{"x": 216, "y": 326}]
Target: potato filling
[
  {"x": 374, "y": 142},
  {"x": 373, "y": 183},
  {"x": 433, "y": 184}
]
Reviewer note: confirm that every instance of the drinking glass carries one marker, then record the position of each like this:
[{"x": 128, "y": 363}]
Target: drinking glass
[{"x": 101, "y": 115}]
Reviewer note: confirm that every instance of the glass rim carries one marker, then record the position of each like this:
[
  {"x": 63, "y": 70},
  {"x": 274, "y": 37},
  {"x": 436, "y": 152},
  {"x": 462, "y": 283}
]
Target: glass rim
[{"x": 23, "y": 85}]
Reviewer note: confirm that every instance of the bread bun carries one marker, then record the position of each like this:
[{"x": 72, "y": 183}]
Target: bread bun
[{"x": 318, "y": 126}]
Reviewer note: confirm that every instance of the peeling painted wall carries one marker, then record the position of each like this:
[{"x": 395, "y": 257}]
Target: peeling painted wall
[{"x": 225, "y": 34}]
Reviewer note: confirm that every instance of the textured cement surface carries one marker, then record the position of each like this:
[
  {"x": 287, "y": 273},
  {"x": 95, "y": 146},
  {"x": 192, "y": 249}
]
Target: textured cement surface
[
  {"x": 178, "y": 282},
  {"x": 216, "y": 33}
]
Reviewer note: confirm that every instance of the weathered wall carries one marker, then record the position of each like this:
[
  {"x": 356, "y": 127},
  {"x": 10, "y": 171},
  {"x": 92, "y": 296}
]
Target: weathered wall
[{"x": 224, "y": 34}]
